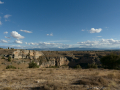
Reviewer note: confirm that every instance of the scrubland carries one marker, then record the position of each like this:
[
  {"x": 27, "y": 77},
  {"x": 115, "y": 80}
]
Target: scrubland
[
  {"x": 62, "y": 78},
  {"x": 59, "y": 79}
]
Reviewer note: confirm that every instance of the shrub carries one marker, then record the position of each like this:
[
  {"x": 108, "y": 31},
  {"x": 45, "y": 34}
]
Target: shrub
[
  {"x": 110, "y": 61},
  {"x": 33, "y": 65},
  {"x": 92, "y": 66},
  {"x": 9, "y": 59},
  {"x": 10, "y": 67},
  {"x": 78, "y": 66}
]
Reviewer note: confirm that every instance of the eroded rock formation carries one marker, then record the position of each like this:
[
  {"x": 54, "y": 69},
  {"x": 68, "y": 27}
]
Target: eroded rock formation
[
  {"x": 43, "y": 60},
  {"x": 30, "y": 54}
]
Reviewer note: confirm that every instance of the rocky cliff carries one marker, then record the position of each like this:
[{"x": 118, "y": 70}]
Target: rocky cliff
[
  {"x": 30, "y": 54},
  {"x": 42, "y": 59}
]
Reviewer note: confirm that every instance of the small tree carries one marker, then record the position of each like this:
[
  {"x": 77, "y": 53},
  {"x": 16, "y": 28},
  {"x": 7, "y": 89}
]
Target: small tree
[
  {"x": 8, "y": 47},
  {"x": 110, "y": 61}
]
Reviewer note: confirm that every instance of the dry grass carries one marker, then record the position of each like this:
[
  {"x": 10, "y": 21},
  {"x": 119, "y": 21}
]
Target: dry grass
[
  {"x": 7, "y": 88},
  {"x": 94, "y": 81},
  {"x": 58, "y": 79}
]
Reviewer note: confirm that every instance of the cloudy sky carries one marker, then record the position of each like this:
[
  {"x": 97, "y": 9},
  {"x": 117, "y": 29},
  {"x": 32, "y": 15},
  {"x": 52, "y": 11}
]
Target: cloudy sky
[{"x": 60, "y": 23}]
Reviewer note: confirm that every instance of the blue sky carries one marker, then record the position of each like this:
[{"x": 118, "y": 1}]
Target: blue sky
[{"x": 60, "y": 23}]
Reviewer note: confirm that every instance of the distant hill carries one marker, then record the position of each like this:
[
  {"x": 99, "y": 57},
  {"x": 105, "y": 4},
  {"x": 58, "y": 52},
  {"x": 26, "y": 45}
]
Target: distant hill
[{"x": 70, "y": 49}]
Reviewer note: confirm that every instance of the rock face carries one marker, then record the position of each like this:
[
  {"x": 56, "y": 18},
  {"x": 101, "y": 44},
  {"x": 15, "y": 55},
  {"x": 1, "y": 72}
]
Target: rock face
[
  {"x": 27, "y": 54},
  {"x": 35, "y": 55},
  {"x": 57, "y": 61}
]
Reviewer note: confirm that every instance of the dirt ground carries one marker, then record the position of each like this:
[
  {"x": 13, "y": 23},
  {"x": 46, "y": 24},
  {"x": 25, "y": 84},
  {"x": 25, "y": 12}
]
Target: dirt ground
[{"x": 59, "y": 79}]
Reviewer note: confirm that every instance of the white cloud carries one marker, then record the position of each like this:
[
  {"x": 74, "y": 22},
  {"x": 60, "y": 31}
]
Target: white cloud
[
  {"x": 16, "y": 35},
  {"x": 4, "y": 41},
  {"x": 106, "y": 27},
  {"x": 26, "y": 31},
  {"x": 59, "y": 41},
  {"x": 0, "y": 23},
  {"x": 1, "y": 2},
  {"x": 25, "y": 42},
  {"x": 99, "y": 36},
  {"x": 7, "y": 16},
  {"x": 18, "y": 41},
  {"x": 50, "y": 34},
  {"x": 93, "y": 30},
  {"x": 7, "y": 37},
  {"x": 82, "y": 30},
  {"x": 6, "y": 32},
  {"x": 13, "y": 46},
  {"x": 101, "y": 43},
  {"x": 49, "y": 45}
]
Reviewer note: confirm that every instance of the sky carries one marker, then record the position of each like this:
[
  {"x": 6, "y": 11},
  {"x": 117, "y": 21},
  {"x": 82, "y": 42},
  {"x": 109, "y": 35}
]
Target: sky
[{"x": 60, "y": 23}]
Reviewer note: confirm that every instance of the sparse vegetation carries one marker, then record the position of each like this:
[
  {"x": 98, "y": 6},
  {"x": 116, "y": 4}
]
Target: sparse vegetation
[
  {"x": 56, "y": 78},
  {"x": 78, "y": 67},
  {"x": 92, "y": 66},
  {"x": 33, "y": 65},
  {"x": 111, "y": 61},
  {"x": 10, "y": 67},
  {"x": 12, "y": 48},
  {"x": 9, "y": 59},
  {"x": 7, "y": 88},
  {"x": 3, "y": 57},
  {"x": 53, "y": 67}
]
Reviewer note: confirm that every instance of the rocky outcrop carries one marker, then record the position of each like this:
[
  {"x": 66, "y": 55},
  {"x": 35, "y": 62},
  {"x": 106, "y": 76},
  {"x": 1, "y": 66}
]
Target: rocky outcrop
[
  {"x": 48, "y": 63},
  {"x": 56, "y": 61},
  {"x": 30, "y": 54},
  {"x": 41, "y": 59}
]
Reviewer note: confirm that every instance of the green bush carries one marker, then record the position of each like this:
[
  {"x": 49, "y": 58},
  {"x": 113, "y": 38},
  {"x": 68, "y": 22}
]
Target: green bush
[
  {"x": 33, "y": 65},
  {"x": 92, "y": 66},
  {"x": 9, "y": 59},
  {"x": 10, "y": 67},
  {"x": 110, "y": 61}
]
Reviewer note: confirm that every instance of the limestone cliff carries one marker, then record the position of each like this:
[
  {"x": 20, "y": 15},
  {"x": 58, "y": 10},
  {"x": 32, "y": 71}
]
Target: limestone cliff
[
  {"x": 42, "y": 59},
  {"x": 30, "y": 54}
]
